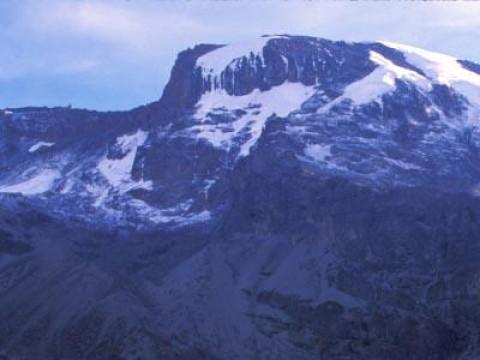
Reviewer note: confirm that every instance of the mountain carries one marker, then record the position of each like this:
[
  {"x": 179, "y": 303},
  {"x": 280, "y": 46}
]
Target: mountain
[{"x": 286, "y": 198}]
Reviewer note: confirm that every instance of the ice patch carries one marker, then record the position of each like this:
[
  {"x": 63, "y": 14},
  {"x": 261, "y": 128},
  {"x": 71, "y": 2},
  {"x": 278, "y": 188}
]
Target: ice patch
[
  {"x": 178, "y": 215},
  {"x": 379, "y": 82},
  {"x": 40, "y": 183},
  {"x": 215, "y": 62},
  {"x": 129, "y": 142},
  {"x": 208, "y": 184},
  {"x": 258, "y": 105},
  {"x": 67, "y": 186},
  {"x": 402, "y": 164},
  {"x": 100, "y": 194},
  {"x": 118, "y": 171},
  {"x": 442, "y": 69},
  {"x": 382, "y": 80},
  {"x": 39, "y": 145},
  {"x": 318, "y": 152}
]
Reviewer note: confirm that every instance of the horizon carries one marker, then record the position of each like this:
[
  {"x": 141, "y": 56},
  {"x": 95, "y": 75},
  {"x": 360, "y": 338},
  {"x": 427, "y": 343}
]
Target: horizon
[{"x": 117, "y": 55}]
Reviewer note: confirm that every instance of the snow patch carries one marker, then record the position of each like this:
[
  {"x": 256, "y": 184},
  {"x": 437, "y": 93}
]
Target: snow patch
[
  {"x": 379, "y": 82},
  {"x": 178, "y": 215},
  {"x": 402, "y": 164},
  {"x": 442, "y": 69},
  {"x": 40, "y": 183},
  {"x": 215, "y": 62},
  {"x": 67, "y": 186},
  {"x": 39, "y": 145},
  {"x": 258, "y": 105},
  {"x": 118, "y": 171},
  {"x": 318, "y": 152},
  {"x": 132, "y": 141},
  {"x": 99, "y": 193}
]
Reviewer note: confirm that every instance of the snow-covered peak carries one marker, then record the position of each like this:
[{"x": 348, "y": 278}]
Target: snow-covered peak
[
  {"x": 390, "y": 71},
  {"x": 341, "y": 108},
  {"x": 442, "y": 69},
  {"x": 379, "y": 82}
]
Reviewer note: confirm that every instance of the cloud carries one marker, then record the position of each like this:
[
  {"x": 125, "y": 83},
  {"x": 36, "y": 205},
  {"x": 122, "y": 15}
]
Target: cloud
[
  {"x": 139, "y": 26},
  {"x": 456, "y": 16},
  {"x": 152, "y": 29}
]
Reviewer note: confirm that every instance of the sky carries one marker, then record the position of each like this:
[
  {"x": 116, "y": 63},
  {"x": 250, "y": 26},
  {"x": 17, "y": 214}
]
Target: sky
[{"x": 117, "y": 54}]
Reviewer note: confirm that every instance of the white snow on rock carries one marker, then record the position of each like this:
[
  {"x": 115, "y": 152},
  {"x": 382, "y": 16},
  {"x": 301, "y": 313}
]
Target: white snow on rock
[
  {"x": 259, "y": 106},
  {"x": 132, "y": 141},
  {"x": 382, "y": 80},
  {"x": 442, "y": 69},
  {"x": 38, "y": 184},
  {"x": 100, "y": 194},
  {"x": 179, "y": 214},
  {"x": 67, "y": 186},
  {"x": 402, "y": 164},
  {"x": 39, "y": 145},
  {"x": 216, "y": 61},
  {"x": 118, "y": 171},
  {"x": 318, "y": 152},
  {"x": 379, "y": 82}
]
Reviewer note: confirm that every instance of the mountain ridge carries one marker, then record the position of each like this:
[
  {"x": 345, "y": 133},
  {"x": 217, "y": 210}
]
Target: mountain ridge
[{"x": 305, "y": 199}]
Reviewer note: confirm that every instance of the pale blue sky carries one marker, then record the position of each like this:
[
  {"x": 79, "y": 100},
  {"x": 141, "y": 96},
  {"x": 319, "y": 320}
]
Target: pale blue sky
[{"x": 117, "y": 54}]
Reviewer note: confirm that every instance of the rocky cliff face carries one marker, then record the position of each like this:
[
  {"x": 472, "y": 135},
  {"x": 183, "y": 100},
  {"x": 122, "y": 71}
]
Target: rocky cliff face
[{"x": 288, "y": 198}]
